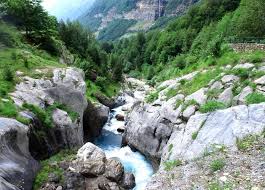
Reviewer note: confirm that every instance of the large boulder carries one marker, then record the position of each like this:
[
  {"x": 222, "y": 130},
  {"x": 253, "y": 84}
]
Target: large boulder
[
  {"x": 67, "y": 86},
  {"x": 222, "y": 127},
  {"x": 147, "y": 131},
  {"x": 95, "y": 117},
  {"x": 17, "y": 166}
]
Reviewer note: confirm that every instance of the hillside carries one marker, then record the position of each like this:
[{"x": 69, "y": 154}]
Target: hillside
[
  {"x": 131, "y": 16},
  {"x": 179, "y": 106}
]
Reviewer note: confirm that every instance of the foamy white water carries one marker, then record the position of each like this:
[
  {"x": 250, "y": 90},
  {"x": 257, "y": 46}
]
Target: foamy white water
[{"x": 110, "y": 142}]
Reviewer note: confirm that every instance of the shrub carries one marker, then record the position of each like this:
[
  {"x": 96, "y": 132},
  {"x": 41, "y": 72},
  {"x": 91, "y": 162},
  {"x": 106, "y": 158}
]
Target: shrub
[
  {"x": 169, "y": 165},
  {"x": 8, "y": 109},
  {"x": 152, "y": 97},
  {"x": 245, "y": 143},
  {"x": 8, "y": 74},
  {"x": 242, "y": 73},
  {"x": 255, "y": 98},
  {"x": 194, "y": 135},
  {"x": 211, "y": 106},
  {"x": 217, "y": 165},
  {"x": 51, "y": 166}
]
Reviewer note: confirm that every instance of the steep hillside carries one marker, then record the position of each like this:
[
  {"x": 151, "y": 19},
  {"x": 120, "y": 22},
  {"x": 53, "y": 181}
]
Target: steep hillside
[{"x": 135, "y": 15}]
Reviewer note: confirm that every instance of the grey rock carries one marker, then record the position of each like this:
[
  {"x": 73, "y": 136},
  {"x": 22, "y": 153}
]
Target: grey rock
[
  {"x": 241, "y": 98},
  {"x": 189, "y": 111},
  {"x": 199, "y": 96},
  {"x": 128, "y": 181},
  {"x": 222, "y": 127},
  {"x": 114, "y": 170},
  {"x": 217, "y": 85},
  {"x": 226, "y": 96},
  {"x": 244, "y": 66},
  {"x": 260, "y": 81},
  {"x": 229, "y": 79},
  {"x": 168, "y": 109},
  {"x": 147, "y": 131},
  {"x": 95, "y": 117},
  {"x": 17, "y": 167},
  {"x": 91, "y": 160}
]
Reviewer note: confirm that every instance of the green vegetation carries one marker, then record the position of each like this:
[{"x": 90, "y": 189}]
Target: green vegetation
[
  {"x": 115, "y": 29},
  {"x": 255, "y": 98},
  {"x": 169, "y": 165},
  {"x": 194, "y": 135},
  {"x": 216, "y": 185},
  {"x": 45, "y": 115},
  {"x": 8, "y": 109},
  {"x": 188, "y": 103},
  {"x": 152, "y": 97},
  {"x": 217, "y": 165},
  {"x": 245, "y": 143},
  {"x": 211, "y": 106},
  {"x": 170, "y": 147},
  {"x": 51, "y": 166}
]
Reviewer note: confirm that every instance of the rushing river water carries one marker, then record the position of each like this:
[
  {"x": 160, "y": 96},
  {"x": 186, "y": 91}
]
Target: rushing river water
[{"x": 110, "y": 142}]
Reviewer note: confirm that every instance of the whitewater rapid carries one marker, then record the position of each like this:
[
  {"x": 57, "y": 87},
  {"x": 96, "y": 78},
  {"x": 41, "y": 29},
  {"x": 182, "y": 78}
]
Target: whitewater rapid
[{"x": 110, "y": 142}]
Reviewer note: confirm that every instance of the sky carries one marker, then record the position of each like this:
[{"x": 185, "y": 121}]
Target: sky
[{"x": 63, "y": 9}]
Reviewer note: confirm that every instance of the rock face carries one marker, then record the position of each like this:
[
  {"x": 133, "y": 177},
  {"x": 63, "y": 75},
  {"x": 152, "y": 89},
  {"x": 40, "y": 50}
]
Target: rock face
[
  {"x": 95, "y": 117},
  {"x": 92, "y": 170},
  {"x": 17, "y": 167},
  {"x": 144, "y": 11},
  {"x": 222, "y": 127},
  {"x": 67, "y": 87},
  {"x": 147, "y": 132}
]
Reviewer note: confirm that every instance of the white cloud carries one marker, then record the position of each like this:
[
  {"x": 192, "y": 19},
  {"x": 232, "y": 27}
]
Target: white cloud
[{"x": 64, "y": 9}]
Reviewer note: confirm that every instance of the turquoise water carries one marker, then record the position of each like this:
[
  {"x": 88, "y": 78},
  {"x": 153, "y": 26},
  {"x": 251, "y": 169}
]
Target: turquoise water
[{"x": 110, "y": 142}]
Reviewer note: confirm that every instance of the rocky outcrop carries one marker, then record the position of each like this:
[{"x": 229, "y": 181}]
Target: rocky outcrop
[
  {"x": 222, "y": 127},
  {"x": 17, "y": 167},
  {"x": 67, "y": 87},
  {"x": 147, "y": 132},
  {"x": 92, "y": 170},
  {"x": 95, "y": 117}
]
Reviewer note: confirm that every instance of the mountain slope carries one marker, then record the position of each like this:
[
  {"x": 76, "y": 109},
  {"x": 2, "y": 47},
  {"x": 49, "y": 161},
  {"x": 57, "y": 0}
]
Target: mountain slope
[{"x": 135, "y": 15}]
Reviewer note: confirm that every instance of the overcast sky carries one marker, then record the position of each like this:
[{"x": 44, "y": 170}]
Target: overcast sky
[{"x": 64, "y": 8}]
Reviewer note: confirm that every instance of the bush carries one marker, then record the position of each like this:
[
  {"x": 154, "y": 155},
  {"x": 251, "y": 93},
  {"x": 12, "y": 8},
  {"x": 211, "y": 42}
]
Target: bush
[
  {"x": 152, "y": 97},
  {"x": 8, "y": 74},
  {"x": 211, "y": 106},
  {"x": 245, "y": 143},
  {"x": 217, "y": 165},
  {"x": 8, "y": 109},
  {"x": 255, "y": 98},
  {"x": 169, "y": 165}
]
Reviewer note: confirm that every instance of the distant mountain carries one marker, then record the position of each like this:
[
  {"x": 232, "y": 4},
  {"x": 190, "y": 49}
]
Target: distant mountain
[{"x": 111, "y": 19}]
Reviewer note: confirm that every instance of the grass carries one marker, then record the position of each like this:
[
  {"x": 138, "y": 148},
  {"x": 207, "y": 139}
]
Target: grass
[
  {"x": 170, "y": 147},
  {"x": 152, "y": 97},
  {"x": 245, "y": 143},
  {"x": 255, "y": 98},
  {"x": 211, "y": 106},
  {"x": 171, "y": 93},
  {"x": 51, "y": 166},
  {"x": 8, "y": 109},
  {"x": 220, "y": 186},
  {"x": 109, "y": 89},
  {"x": 188, "y": 103},
  {"x": 194, "y": 135},
  {"x": 213, "y": 93},
  {"x": 217, "y": 165},
  {"x": 169, "y": 165},
  {"x": 45, "y": 115}
]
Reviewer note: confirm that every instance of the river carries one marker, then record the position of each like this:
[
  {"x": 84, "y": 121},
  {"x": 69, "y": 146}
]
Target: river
[{"x": 110, "y": 142}]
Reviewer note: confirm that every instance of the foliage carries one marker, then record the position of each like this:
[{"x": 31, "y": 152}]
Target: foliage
[
  {"x": 50, "y": 166},
  {"x": 194, "y": 135},
  {"x": 115, "y": 29},
  {"x": 45, "y": 115},
  {"x": 255, "y": 98},
  {"x": 246, "y": 142},
  {"x": 8, "y": 109},
  {"x": 152, "y": 97},
  {"x": 169, "y": 165},
  {"x": 211, "y": 106},
  {"x": 217, "y": 165}
]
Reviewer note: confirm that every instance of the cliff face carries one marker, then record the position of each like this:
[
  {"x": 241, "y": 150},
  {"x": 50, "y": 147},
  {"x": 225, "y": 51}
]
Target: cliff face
[{"x": 145, "y": 12}]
